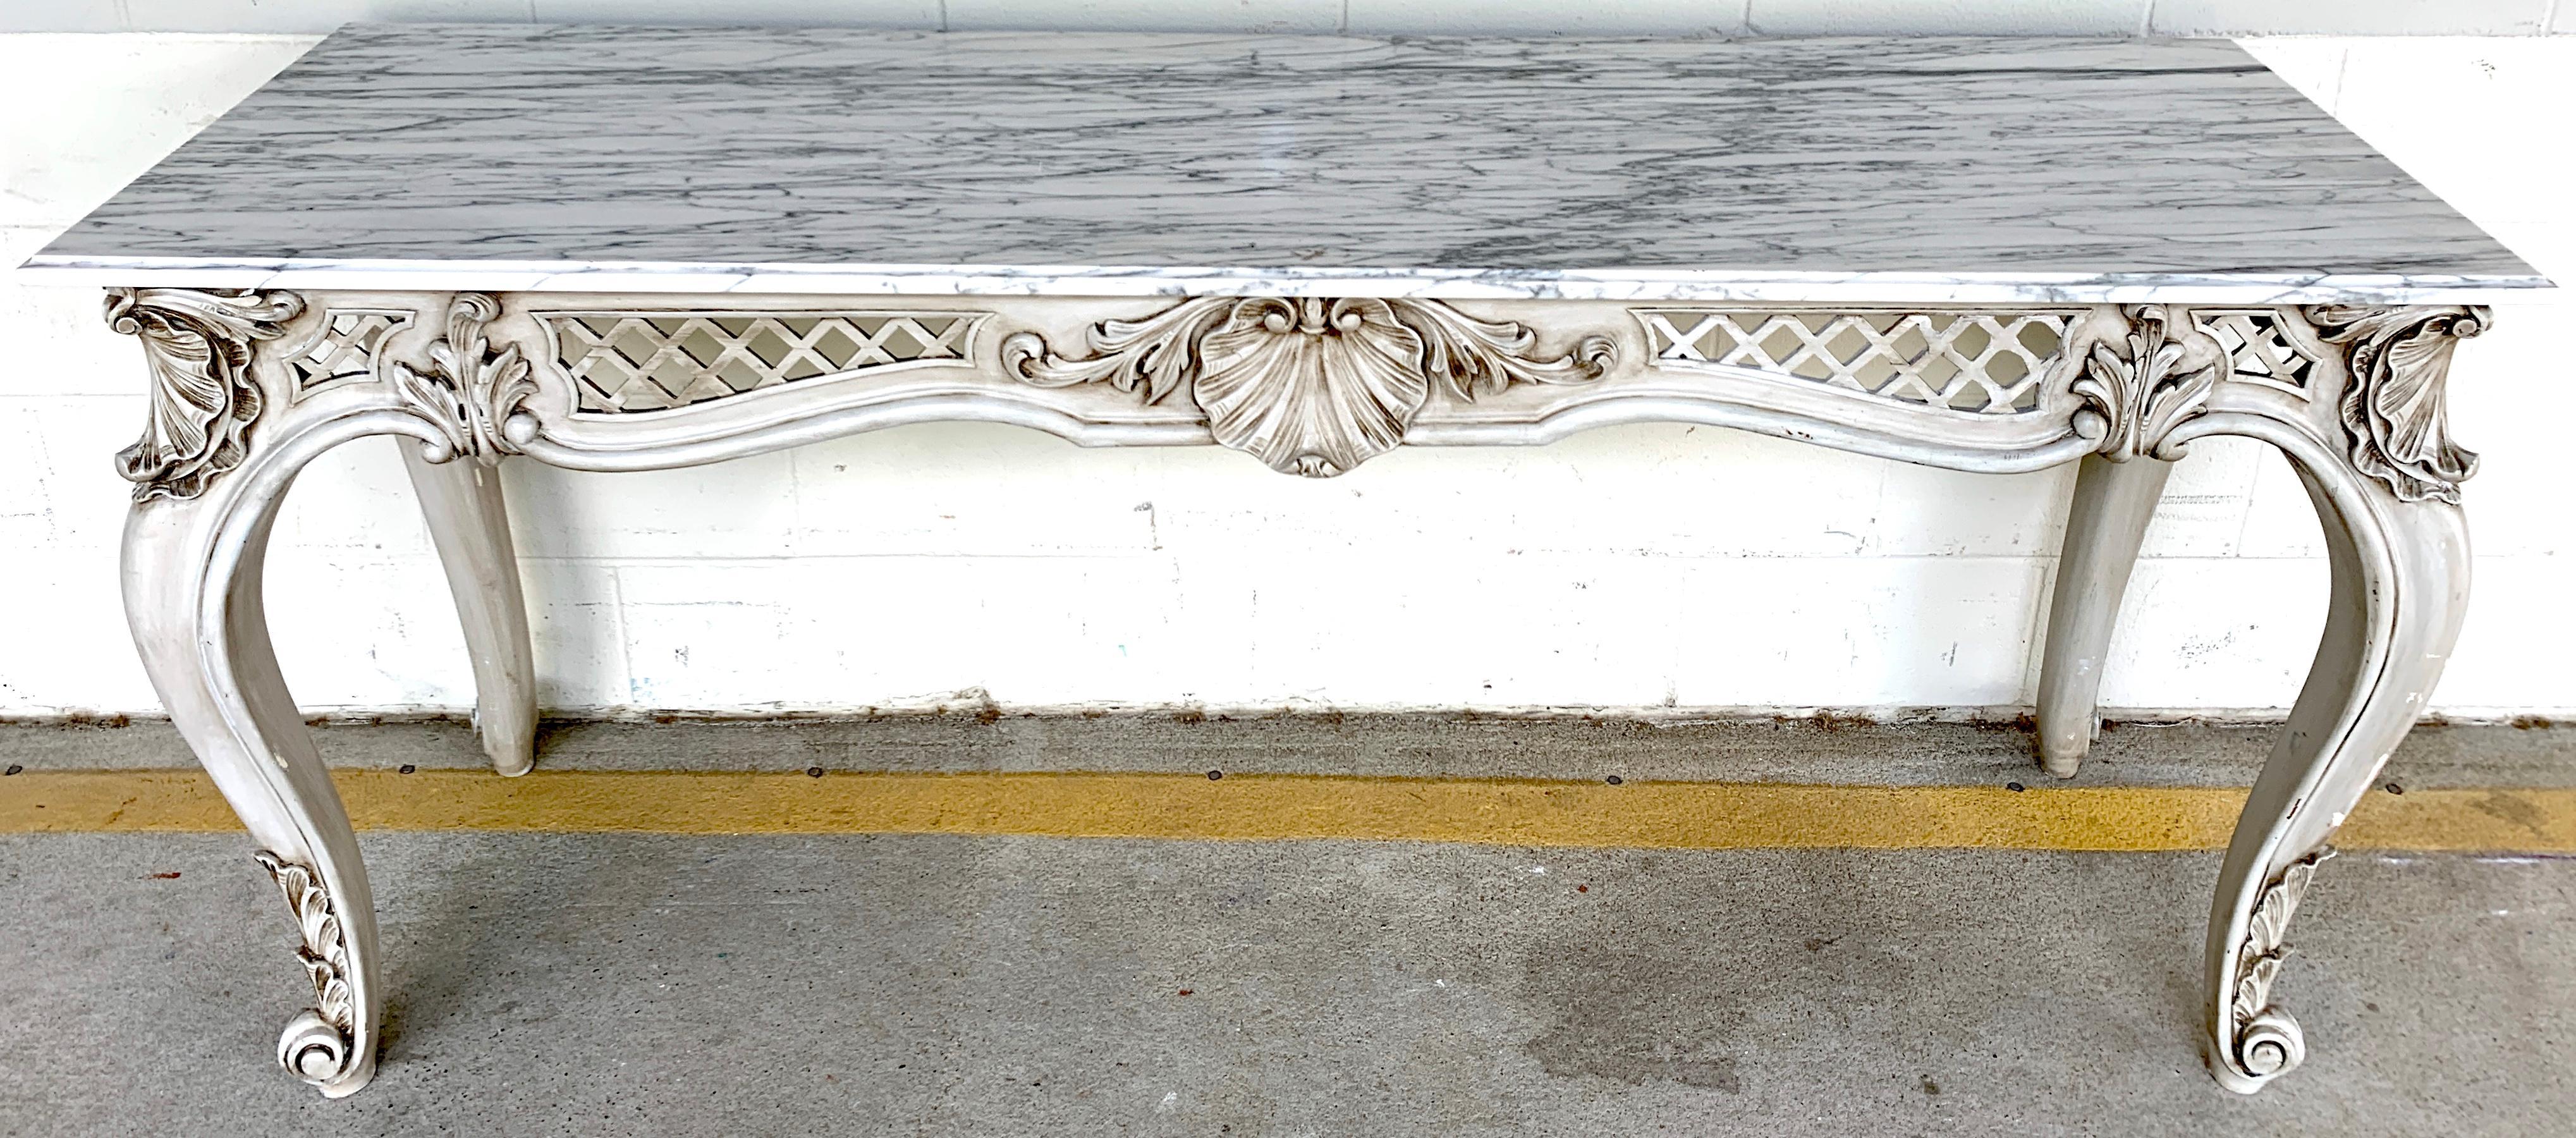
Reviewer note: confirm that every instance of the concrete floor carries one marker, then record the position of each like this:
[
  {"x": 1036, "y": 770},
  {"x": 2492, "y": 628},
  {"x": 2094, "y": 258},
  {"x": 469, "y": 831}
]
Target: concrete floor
[
  {"x": 551, "y": 984},
  {"x": 2528, "y": 753}
]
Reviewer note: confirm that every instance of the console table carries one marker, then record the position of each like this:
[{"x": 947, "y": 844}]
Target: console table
[{"x": 626, "y": 249}]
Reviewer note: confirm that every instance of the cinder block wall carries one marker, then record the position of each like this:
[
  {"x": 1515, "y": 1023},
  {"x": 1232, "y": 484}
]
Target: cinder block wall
[{"x": 1664, "y": 567}]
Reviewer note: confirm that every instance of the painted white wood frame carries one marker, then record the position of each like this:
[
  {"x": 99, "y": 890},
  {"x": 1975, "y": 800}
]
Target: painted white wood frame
[{"x": 616, "y": 328}]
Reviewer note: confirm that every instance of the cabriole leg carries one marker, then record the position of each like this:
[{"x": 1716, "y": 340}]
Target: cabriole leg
[
  {"x": 225, "y": 438},
  {"x": 219, "y": 449},
  {"x": 2386, "y": 488},
  {"x": 2104, "y": 528},
  {"x": 2400, "y": 586},
  {"x": 470, "y": 524},
  {"x": 192, "y": 595}
]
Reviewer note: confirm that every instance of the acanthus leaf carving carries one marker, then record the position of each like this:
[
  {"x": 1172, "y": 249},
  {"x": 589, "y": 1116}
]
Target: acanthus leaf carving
[
  {"x": 2164, "y": 379},
  {"x": 2399, "y": 364},
  {"x": 468, "y": 391},
  {"x": 1155, "y": 356},
  {"x": 319, "y": 1044},
  {"x": 204, "y": 399},
  {"x": 1478, "y": 357},
  {"x": 2264, "y": 1041},
  {"x": 1312, "y": 386}
]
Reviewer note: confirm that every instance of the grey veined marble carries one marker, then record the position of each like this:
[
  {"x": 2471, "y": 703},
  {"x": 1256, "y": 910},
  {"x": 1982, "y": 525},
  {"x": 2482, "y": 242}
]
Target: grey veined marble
[{"x": 838, "y": 160}]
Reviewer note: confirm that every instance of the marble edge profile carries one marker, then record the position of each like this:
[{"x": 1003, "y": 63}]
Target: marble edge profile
[{"x": 1751, "y": 285}]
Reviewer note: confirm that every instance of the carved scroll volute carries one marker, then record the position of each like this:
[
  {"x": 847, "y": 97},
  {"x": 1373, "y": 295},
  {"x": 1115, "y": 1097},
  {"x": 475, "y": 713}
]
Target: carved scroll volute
[
  {"x": 469, "y": 391},
  {"x": 320, "y": 1043},
  {"x": 2263, "y": 1041},
  {"x": 1310, "y": 386},
  {"x": 2156, "y": 376},
  {"x": 204, "y": 399},
  {"x": 2399, "y": 363}
]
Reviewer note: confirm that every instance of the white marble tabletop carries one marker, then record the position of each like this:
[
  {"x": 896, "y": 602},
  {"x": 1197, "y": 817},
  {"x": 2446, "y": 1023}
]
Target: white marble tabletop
[{"x": 597, "y": 159}]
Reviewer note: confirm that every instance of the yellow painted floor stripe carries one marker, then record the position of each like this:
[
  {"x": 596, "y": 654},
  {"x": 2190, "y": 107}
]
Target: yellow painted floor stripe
[{"x": 1666, "y": 815}]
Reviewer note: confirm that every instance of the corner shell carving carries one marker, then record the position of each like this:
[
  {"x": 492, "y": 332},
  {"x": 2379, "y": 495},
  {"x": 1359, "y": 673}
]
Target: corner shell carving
[
  {"x": 204, "y": 399},
  {"x": 1309, "y": 386},
  {"x": 2399, "y": 360},
  {"x": 469, "y": 391},
  {"x": 320, "y": 1042}
]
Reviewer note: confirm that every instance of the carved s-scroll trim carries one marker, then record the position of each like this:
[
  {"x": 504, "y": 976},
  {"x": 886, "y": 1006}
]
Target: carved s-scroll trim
[
  {"x": 204, "y": 399},
  {"x": 1155, "y": 356},
  {"x": 2398, "y": 362},
  {"x": 1479, "y": 357}
]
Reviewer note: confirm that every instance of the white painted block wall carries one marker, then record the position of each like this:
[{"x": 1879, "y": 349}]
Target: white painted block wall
[{"x": 1659, "y": 567}]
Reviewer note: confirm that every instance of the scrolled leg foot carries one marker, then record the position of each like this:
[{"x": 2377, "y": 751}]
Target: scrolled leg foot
[
  {"x": 320, "y": 1044},
  {"x": 316, "y": 1050},
  {"x": 2263, "y": 1041}
]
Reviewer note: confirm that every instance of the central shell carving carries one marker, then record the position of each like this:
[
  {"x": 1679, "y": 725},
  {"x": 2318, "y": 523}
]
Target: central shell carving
[{"x": 1311, "y": 385}]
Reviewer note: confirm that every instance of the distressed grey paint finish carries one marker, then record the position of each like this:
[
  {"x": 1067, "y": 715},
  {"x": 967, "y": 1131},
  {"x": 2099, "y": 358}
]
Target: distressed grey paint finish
[
  {"x": 448, "y": 152},
  {"x": 2127, "y": 161},
  {"x": 2105, "y": 526}
]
